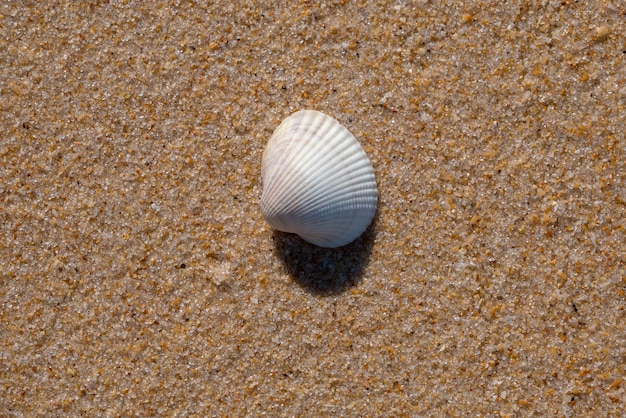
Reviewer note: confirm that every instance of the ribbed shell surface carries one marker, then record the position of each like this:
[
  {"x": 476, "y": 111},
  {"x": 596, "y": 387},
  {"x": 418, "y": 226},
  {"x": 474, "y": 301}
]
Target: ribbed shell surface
[{"x": 317, "y": 181}]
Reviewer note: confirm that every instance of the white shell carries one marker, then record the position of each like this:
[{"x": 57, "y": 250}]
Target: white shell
[{"x": 317, "y": 181}]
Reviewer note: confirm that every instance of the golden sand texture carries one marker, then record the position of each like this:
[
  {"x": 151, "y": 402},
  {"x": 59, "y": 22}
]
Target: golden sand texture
[{"x": 138, "y": 277}]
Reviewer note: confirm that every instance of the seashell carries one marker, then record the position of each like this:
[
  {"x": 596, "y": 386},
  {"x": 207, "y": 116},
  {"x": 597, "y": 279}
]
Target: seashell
[{"x": 317, "y": 181}]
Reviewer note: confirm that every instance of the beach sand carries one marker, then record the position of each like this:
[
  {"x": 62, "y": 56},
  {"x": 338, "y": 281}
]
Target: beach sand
[{"x": 138, "y": 277}]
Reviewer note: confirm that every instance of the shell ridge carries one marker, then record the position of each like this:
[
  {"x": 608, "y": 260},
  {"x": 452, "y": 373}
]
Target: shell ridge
[
  {"x": 364, "y": 175},
  {"x": 314, "y": 144},
  {"x": 299, "y": 135},
  {"x": 279, "y": 150},
  {"x": 337, "y": 192},
  {"x": 317, "y": 180},
  {"x": 347, "y": 208},
  {"x": 329, "y": 169},
  {"x": 337, "y": 206},
  {"x": 326, "y": 197},
  {"x": 315, "y": 217}
]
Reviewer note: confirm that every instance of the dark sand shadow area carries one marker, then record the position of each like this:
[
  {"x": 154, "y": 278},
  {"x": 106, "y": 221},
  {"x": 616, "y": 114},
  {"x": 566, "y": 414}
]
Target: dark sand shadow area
[{"x": 325, "y": 271}]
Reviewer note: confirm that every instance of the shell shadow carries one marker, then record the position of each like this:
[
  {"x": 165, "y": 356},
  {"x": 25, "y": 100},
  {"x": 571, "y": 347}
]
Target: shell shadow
[{"x": 325, "y": 271}]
